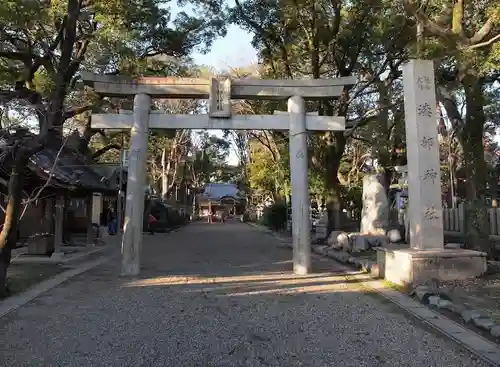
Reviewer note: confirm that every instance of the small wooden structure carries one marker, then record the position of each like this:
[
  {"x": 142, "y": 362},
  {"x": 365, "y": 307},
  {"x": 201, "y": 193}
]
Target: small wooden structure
[{"x": 59, "y": 184}]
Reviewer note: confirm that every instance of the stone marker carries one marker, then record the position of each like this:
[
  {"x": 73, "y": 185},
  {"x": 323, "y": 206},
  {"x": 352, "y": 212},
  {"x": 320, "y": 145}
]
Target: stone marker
[
  {"x": 425, "y": 209},
  {"x": 322, "y": 228},
  {"x": 375, "y": 212},
  {"x": 427, "y": 257}
]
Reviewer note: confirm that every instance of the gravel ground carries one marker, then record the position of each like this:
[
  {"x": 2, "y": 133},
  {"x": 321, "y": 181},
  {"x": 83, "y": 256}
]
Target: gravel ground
[{"x": 218, "y": 295}]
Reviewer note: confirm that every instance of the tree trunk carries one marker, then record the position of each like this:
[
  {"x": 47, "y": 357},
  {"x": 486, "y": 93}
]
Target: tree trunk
[
  {"x": 8, "y": 236},
  {"x": 333, "y": 207},
  {"x": 332, "y": 183},
  {"x": 194, "y": 212},
  {"x": 471, "y": 136}
]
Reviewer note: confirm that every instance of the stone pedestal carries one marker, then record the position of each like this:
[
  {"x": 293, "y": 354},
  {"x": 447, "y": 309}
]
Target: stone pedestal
[
  {"x": 40, "y": 245},
  {"x": 103, "y": 234},
  {"x": 58, "y": 256},
  {"x": 413, "y": 267},
  {"x": 322, "y": 227}
]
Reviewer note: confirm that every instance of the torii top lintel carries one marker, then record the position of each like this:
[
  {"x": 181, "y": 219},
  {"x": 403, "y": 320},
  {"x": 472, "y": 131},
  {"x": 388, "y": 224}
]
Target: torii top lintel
[{"x": 252, "y": 89}]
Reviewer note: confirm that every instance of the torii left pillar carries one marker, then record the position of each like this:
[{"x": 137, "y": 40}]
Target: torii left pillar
[
  {"x": 301, "y": 232},
  {"x": 134, "y": 207}
]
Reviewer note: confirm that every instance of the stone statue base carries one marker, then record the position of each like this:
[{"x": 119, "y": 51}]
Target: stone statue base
[{"x": 413, "y": 267}]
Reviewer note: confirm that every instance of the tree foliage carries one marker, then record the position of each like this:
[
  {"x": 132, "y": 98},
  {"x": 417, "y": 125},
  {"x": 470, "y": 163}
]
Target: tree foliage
[
  {"x": 369, "y": 39},
  {"x": 45, "y": 44}
]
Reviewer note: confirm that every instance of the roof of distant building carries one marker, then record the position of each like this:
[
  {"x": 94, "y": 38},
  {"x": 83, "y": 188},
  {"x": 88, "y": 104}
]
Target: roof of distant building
[{"x": 217, "y": 191}]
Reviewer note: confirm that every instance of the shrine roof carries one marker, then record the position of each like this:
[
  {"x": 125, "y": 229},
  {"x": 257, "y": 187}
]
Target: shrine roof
[
  {"x": 217, "y": 191},
  {"x": 68, "y": 169}
]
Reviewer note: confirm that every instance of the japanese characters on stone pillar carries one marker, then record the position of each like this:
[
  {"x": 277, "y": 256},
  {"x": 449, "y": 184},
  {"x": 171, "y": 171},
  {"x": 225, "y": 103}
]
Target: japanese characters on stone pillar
[
  {"x": 219, "y": 104},
  {"x": 424, "y": 182}
]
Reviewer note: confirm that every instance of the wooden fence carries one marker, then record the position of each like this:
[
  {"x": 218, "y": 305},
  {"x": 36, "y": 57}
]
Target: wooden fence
[{"x": 453, "y": 220}]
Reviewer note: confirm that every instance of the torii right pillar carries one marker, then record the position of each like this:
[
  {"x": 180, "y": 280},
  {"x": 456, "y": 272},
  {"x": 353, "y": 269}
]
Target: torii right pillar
[{"x": 427, "y": 258}]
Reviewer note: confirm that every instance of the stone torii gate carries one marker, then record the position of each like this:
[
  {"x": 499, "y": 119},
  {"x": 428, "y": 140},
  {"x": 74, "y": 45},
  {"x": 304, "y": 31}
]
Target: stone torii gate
[{"x": 219, "y": 94}]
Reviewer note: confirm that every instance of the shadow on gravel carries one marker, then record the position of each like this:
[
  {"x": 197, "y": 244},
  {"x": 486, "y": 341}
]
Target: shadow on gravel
[
  {"x": 229, "y": 259},
  {"x": 248, "y": 285}
]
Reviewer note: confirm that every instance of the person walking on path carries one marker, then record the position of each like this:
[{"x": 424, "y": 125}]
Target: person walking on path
[
  {"x": 151, "y": 223},
  {"x": 112, "y": 224},
  {"x": 224, "y": 214},
  {"x": 211, "y": 214}
]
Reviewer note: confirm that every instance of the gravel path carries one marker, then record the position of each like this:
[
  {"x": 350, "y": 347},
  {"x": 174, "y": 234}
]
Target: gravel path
[{"x": 218, "y": 295}]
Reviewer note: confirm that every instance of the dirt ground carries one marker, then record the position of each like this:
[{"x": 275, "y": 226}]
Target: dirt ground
[
  {"x": 481, "y": 294},
  {"x": 22, "y": 276}
]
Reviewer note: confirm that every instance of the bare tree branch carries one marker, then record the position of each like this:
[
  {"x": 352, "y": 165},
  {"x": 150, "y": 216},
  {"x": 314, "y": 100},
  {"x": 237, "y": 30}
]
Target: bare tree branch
[
  {"x": 485, "y": 43},
  {"x": 481, "y": 34},
  {"x": 77, "y": 111}
]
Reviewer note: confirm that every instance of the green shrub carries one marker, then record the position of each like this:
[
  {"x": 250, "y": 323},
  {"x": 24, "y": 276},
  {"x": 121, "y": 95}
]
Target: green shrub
[
  {"x": 175, "y": 218},
  {"x": 275, "y": 216}
]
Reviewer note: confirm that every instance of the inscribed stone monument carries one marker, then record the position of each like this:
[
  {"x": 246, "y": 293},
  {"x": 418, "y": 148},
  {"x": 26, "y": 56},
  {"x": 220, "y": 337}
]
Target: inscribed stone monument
[
  {"x": 427, "y": 258},
  {"x": 424, "y": 181}
]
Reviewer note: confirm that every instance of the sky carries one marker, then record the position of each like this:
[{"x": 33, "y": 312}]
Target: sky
[{"x": 233, "y": 51}]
